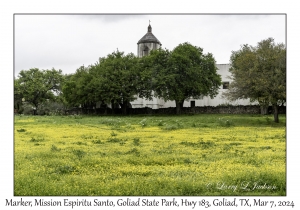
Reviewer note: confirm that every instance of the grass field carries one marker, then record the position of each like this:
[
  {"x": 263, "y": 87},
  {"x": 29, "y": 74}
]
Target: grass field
[{"x": 149, "y": 155}]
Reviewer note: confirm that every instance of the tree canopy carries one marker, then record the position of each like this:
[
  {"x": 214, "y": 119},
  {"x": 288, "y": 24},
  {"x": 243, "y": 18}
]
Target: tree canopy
[
  {"x": 259, "y": 73},
  {"x": 77, "y": 89},
  {"x": 36, "y": 86},
  {"x": 116, "y": 79},
  {"x": 183, "y": 73}
]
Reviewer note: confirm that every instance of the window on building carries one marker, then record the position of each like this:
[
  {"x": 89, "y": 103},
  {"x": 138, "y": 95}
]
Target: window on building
[
  {"x": 225, "y": 85},
  {"x": 192, "y": 103}
]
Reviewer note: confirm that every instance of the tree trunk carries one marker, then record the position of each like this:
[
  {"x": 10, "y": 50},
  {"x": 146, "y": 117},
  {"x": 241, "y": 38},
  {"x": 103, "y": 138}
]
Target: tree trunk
[
  {"x": 35, "y": 108},
  {"x": 276, "y": 119},
  {"x": 113, "y": 106},
  {"x": 179, "y": 105},
  {"x": 124, "y": 107},
  {"x": 263, "y": 110}
]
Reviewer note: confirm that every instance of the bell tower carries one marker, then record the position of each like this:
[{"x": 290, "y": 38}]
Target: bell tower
[{"x": 147, "y": 43}]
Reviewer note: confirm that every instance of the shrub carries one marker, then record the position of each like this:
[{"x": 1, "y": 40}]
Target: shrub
[
  {"x": 36, "y": 139},
  {"x": 54, "y": 148},
  {"x": 80, "y": 143},
  {"x": 114, "y": 140},
  {"x": 133, "y": 151},
  {"x": 97, "y": 142},
  {"x": 66, "y": 169},
  {"x": 136, "y": 141},
  {"x": 113, "y": 134},
  {"x": 79, "y": 153}
]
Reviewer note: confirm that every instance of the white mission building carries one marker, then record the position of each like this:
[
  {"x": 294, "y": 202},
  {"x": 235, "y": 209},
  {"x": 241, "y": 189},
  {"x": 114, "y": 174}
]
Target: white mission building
[{"x": 149, "y": 42}]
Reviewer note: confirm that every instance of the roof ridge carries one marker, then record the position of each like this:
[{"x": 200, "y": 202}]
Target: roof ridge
[{"x": 149, "y": 37}]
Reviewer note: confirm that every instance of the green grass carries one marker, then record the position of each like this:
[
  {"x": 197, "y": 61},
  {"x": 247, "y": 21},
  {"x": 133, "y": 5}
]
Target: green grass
[{"x": 150, "y": 155}]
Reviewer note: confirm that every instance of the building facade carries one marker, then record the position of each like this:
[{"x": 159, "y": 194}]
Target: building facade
[{"x": 149, "y": 42}]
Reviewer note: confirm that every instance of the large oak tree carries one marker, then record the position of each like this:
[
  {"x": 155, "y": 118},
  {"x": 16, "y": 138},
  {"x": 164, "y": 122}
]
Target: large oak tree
[
  {"x": 77, "y": 89},
  {"x": 184, "y": 73},
  {"x": 36, "y": 86},
  {"x": 119, "y": 79},
  {"x": 259, "y": 73}
]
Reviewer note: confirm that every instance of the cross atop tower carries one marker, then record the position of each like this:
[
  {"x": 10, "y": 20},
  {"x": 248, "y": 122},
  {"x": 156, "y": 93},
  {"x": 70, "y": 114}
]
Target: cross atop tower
[{"x": 149, "y": 27}]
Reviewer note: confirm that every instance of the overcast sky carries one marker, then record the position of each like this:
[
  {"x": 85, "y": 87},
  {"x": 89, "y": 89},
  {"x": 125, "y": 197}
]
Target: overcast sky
[{"x": 68, "y": 41}]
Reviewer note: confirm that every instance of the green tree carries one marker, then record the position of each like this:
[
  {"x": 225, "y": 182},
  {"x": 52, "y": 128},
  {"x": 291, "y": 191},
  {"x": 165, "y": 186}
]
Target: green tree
[
  {"x": 184, "y": 73},
  {"x": 77, "y": 90},
  {"x": 18, "y": 96},
  {"x": 36, "y": 86},
  {"x": 259, "y": 73},
  {"x": 117, "y": 79}
]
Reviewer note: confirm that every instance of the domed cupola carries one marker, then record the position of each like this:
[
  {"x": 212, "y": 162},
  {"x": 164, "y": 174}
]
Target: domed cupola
[{"x": 147, "y": 43}]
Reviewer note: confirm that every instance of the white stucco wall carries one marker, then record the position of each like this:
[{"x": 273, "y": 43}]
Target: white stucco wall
[
  {"x": 151, "y": 46},
  {"x": 223, "y": 70}
]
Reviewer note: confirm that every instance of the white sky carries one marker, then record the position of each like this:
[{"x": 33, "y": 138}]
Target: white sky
[{"x": 68, "y": 41}]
